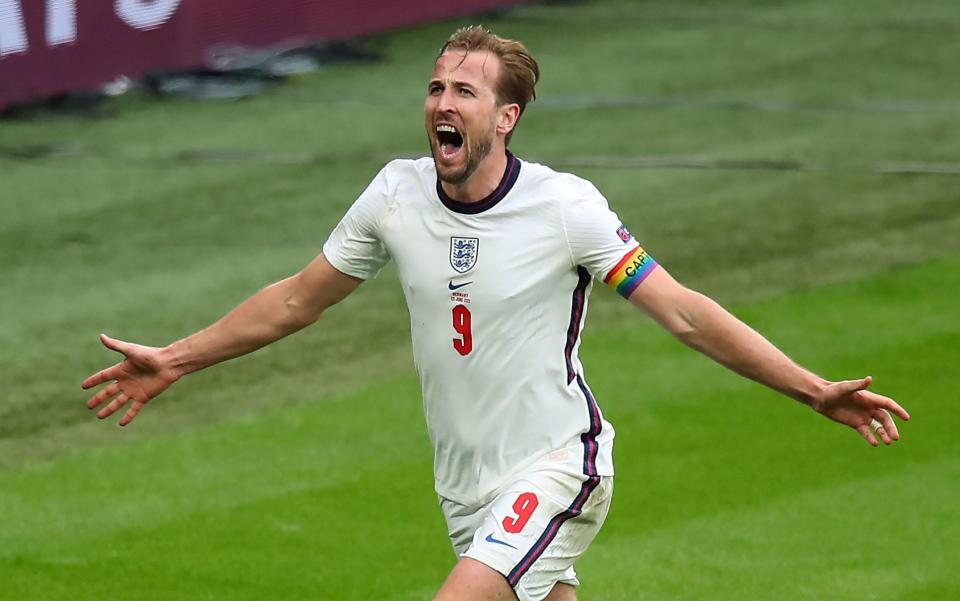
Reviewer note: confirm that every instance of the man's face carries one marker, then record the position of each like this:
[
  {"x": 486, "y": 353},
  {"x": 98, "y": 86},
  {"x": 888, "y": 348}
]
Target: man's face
[{"x": 461, "y": 112}]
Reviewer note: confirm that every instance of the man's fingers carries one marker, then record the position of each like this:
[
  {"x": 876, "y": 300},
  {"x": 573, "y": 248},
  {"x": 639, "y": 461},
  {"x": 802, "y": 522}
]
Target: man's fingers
[
  {"x": 885, "y": 404},
  {"x": 103, "y": 395},
  {"x": 100, "y": 377},
  {"x": 851, "y": 386},
  {"x": 891, "y": 405},
  {"x": 131, "y": 413},
  {"x": 867, "y": 434},
  {"x": 115, "y": 404},
  {"x": 887, "y": 424},
  {"x": 880, "y": 431},
  {"x": 116, "y": 345}
]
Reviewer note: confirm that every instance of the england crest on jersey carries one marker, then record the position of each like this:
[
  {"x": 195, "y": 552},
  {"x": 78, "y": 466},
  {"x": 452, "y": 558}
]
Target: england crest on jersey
[{"x": 463, "y": 253}]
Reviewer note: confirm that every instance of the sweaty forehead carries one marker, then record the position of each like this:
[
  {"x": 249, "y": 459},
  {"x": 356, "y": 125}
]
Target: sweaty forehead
[{"x": 479, "y": 67}]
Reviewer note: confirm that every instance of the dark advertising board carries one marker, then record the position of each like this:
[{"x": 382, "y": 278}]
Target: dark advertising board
[{"x": 52, "y": 46}]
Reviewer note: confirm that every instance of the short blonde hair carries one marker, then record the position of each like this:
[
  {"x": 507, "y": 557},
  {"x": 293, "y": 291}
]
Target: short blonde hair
[{"x": 519, "y": 70}]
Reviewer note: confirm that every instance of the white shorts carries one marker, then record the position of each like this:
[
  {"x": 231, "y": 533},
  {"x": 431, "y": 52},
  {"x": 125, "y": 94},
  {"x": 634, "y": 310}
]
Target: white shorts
[{"x": 535, "y": 528}]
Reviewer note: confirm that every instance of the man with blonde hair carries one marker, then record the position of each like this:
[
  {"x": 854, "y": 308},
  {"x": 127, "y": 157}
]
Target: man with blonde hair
[{"x": 496, "y": 257}]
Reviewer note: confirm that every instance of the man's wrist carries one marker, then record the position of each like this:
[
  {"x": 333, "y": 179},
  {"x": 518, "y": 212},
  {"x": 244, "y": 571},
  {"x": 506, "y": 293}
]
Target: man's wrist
[
  {"x": 174, "y": 360},
  {"x": 811, "y": 391}
]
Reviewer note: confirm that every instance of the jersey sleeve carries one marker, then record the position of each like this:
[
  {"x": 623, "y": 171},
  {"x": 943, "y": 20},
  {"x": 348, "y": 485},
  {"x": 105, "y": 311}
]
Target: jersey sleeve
[
  {"x": 600, "y": 242},
  {"x": 356, "y": 246}
]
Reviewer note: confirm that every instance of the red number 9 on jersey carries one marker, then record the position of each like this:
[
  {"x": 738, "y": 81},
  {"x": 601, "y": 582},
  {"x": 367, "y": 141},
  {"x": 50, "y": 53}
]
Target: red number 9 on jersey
[
  {"x": 461, "y": 324},
  {"x": 524, "y": 507}
]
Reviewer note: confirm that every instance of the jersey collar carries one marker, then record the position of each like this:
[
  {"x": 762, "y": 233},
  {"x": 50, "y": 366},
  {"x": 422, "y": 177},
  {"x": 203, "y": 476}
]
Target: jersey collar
[{"x": 510, "y": 175}]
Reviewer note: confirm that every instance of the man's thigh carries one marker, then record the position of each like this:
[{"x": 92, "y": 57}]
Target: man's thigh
[
  {"x": 530, "y": 535},
  {"x": 471, "y": 580}
]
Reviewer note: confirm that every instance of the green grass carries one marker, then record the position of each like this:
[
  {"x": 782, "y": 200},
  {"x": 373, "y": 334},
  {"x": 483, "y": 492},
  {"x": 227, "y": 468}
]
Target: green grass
[
  {"x": 303, "y": 471},
  {"x": 723, "y": 490}
]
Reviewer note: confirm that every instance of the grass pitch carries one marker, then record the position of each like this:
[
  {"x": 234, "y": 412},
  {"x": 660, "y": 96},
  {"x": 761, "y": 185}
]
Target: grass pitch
[{"x": 303, "y": 471}]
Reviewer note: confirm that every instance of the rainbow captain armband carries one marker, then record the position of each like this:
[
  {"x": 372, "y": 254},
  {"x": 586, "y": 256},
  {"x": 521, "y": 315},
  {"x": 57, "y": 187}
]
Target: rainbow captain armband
[{"x": 632, "y": 269}]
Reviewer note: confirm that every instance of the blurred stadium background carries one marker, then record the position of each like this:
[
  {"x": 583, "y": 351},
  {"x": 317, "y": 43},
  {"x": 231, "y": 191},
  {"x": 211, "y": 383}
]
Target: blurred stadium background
[{"x": 799, "y": 161}]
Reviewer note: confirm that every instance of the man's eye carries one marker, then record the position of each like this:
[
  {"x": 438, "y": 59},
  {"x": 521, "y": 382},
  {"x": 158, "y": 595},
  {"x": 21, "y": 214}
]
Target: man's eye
[
  {"x": 466, "y": 92},
  {"x": 434, "y": 89}
]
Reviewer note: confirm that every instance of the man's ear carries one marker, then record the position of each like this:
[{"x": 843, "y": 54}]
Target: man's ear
[{"x": 507, "y": 117}]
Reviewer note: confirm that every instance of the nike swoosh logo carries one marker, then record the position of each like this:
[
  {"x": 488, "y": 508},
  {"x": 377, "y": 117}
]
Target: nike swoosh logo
[
  {"x": 453, "y": 286},
  {"x": 490, "y": 539}
]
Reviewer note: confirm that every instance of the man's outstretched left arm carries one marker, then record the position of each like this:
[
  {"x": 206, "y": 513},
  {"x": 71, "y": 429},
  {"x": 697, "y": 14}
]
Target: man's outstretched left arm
[{"x": 702, "y": 324}]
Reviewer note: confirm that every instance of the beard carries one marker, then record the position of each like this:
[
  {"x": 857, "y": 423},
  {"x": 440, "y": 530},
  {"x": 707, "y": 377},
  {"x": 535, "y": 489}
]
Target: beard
[{"x": 476, "y": 150}]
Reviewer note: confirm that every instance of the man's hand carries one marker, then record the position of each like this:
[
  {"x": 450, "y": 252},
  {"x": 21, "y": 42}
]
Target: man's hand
[
  {"x": 142, "y": 375},
  {"x": 701, "y": 323},
  {"x": 850, "y": 403},
  {"x": 272, "y": 313}
]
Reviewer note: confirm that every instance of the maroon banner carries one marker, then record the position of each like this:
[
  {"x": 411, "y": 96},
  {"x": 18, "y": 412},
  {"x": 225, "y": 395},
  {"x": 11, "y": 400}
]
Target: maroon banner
[{"x": 52, "y": 46}]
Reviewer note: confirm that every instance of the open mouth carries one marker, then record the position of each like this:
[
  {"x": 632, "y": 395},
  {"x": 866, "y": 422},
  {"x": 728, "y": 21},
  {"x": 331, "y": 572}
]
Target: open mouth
[{"x": 449, "y": 139}]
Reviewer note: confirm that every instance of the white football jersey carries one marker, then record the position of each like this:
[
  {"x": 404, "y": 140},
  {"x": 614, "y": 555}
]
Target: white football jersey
[{"x": 497, "y": 293}]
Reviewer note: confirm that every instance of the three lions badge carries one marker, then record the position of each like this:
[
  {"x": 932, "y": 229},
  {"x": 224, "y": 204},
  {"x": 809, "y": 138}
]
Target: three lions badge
[{"x": 463, "y": 253}]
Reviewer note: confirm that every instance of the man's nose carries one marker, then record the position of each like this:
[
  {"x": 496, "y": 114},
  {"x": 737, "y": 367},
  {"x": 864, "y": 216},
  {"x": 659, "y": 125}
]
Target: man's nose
[{"x": 446, "y": 103}]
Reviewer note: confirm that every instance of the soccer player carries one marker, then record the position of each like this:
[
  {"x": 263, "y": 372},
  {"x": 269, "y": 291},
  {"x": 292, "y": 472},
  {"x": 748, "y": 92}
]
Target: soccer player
[{"x": 497, "y": 258}]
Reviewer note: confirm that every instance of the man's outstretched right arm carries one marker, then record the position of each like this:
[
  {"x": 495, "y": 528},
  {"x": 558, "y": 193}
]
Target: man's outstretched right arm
[{"x": 272, "y": 313}]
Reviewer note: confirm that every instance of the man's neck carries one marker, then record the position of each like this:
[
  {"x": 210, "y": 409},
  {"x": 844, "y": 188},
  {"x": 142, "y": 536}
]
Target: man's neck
[{"x": 483, "y": 181}]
